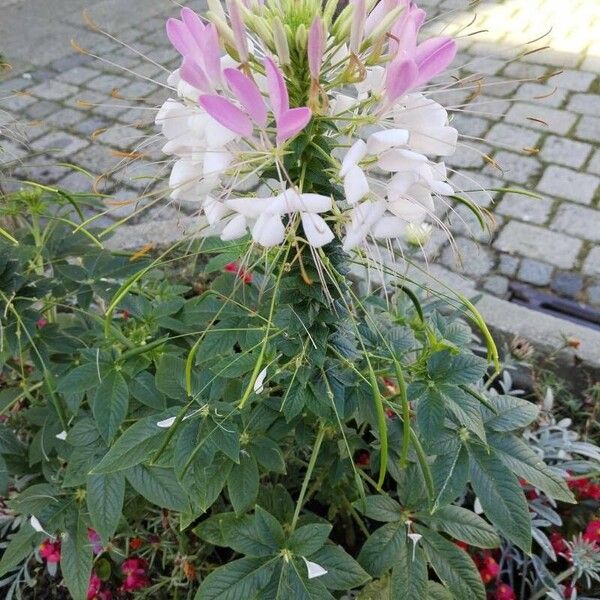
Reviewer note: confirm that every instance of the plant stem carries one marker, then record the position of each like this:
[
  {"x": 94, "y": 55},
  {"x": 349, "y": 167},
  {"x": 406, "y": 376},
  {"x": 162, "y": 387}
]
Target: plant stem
[
  {"x": 557, "y": 579},
  {"x": 308, "y": 474}
]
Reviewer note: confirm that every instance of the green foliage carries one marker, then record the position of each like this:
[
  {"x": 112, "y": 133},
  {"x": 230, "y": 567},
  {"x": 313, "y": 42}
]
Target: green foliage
[{"x": 238, "y": 414}]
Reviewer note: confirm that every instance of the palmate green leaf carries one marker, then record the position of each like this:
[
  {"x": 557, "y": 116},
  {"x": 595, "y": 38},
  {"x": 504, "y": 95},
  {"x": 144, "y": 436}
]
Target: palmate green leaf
[
  {"x": 170, "y": 376},
  {"x": 34, "y": 499},
  {"x": 379, "y": 552},
  {"x": 379, "y": 508},
  {"x": 80, "y": 379},
  {"x": 238, "y": 580},
  {"x": 242, "y": 483},
  {"x": 343, "y": 572},
  {"x": 110, "y": 404},
  {"x": 290, "y": 580},
  {"x": 501, "y": 496},
  {"x": 445, "y": 367},
  {"x": 136, "y": 445},
  {"x": 431, "y": 411},
  {"x": 463, "y": 525},
  {"x": 83, "y": 433},
  {"x": 465, "y": 409},
  {"x": 525, "y": 463},
  {"x": 268, "y": 454},
  {"x": 452, "y": 565},
  {"x": 409, "y": 575},
  {"x": 76, "y": 558},
  {"x": 309, "y": 538},
  {"x": 159, "y": 486},
  {"x": 104, "y": 497},
  {"x": 269, "y": 530},
  {"x": 513, "y": 413},
  {"x": 450, "y": 475},
  {"x": 143, "y": 388}
]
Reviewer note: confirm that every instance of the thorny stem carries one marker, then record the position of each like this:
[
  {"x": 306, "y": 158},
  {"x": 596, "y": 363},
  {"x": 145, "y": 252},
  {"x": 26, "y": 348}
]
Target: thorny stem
[{"x": 308, "y": 475}]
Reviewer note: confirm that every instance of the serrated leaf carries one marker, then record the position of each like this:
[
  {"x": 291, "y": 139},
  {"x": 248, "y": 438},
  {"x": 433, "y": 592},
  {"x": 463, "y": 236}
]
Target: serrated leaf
[
  {"x": 343, "y": 572},
  {"x": 242, "y": 483},
  {"x": 436, "y": 591},
  {"x": 110, "y": 404},
  {"x": 450, "y": 473},
  {"x": 501, "y": 496},
  {"x": 136, "y": 445},
  {"x": 158, "y": 486},
  {"x": 80, "y": 379},
  {"x": 268, "y": 454},
  {"x": 237, "y": 580},
  {"x": 465, "y": 409},
  {"x": 525, "y": 463},
  {"x": 381, "y": 548},
  {"x": 452, "y": 565},
  {"x": 308, "y": 538},
  {"x": 143, "y": 388},
  {"x": 464, "y": 525},
  {"x": 268, "y": 528},
  {"x": 379, "y": 508},
  {"x": 409, "y": 575},
  {"x": 445, "y": 367},
  {"x": 76, "y": 558},
  {"x": 83, "y": 433},
  {"x": 104, "y": 497},
  {"x": 431, "y": 411},
  {"x": 513, "y": 413}
]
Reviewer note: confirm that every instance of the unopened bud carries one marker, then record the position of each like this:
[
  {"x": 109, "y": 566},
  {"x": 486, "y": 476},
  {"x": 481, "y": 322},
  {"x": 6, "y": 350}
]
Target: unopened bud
[
  {"x": 301, "y": 38},
  {"x": 417, "y": 235},
  {"x": 280, "y": 42}
]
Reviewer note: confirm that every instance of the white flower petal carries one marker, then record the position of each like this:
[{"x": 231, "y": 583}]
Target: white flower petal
[
  {"x": 166, "y": 423},
  {"x": 314, "y": 570},
  {"x": 35, "y": 523},
  {"x": 388, "y": 227},
  {"x": 214, "y": 210},
  {"x": 61, "y": 436},
  {"x": 260, "y": 380},
  {"x": 215, "y": 161},
  {"x": 356, "y": 153},
  {"x": 397, "y": 159},
  {"x": 236, "y": 228},
  {"x": 268, "y": 231},
  {"x": 356, "y": 186},
  {"x": 477, "y": 507},
  {"x": 384, "y": 140},
  {"x": 440, "y": 142},
  {"x": 316, "y": 230},
  {"x": 442, "y": 188}
]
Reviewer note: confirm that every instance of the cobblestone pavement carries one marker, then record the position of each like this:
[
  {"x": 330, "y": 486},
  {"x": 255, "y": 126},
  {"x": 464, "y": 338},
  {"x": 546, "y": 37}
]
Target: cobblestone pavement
[{"x": 539, "y": 135}]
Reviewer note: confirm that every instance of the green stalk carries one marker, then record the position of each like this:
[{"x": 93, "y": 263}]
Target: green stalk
[
  {"x": 422, "y": 458},
  {"x": 308, "y": 475},
  {"x": 405, "y": 413},
  {"x": 381, "y": 424}
]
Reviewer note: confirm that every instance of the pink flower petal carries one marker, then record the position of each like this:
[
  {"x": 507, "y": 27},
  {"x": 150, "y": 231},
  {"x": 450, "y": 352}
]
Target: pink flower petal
[
  {"x": 211, "y": 53},
  {"x": 239, "y": 29},
  {"x": 226, "y": 113},
  {"x": 193, "y": 74},
  {"x": 357, "y": 28},
  {"x": 316, "y": 41},
  {"x": 248, "y": 94},
  {"x": 404, "y": 31},
  {"x": 291, "y": 122},
  {"x": 180, "y": 37},
  {"x": 277, "y": 88},
  {"x": 402, "y": 73},
  {"x": 433, "y": 56},
  {"x": 193, "y": 23}
]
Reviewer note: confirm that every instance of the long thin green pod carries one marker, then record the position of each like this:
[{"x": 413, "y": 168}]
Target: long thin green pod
[{"x": 405, "y": 412}]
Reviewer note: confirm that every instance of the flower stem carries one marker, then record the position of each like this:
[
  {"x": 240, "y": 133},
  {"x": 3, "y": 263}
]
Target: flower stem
[{"x": 308, "y": 474}]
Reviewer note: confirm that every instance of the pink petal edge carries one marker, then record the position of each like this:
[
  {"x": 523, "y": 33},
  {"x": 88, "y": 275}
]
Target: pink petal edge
[
  {"x": 248, "y": 94},
  {"x": 277, "y": 89},
  {"x": 226, "y": 113},
  {"x": 291, "y": 122}
]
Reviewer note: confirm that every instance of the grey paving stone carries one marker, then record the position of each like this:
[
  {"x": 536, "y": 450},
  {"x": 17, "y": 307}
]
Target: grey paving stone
[
  {"x": 497, "y": 285},
  {"x": 70, "y": 61},
  {"x": 588, "y": 128},
  {"x": 578, "y": 221},
  {"x": 59, "y": 143},
  {"x": 469, "y": 258},
  {"x": 17, "y": 102},
  {"x": 578, "y": 81},
  {"x": 42, "y": 169},
  {"x": 76, "y": 182},
  {"x": 90, "y": 124},
  {"x": 486, "y": 65},
  {"x": 65, "y": 118},
  {"x": 537, "y": 243},
  {"x": 541, "y": 93},
  {"x": 508, "y": 265},
  {"x": 554, "y": 58},
  {"x": 500, "y": 87},
  {"x": 10, "y": 152},
  {"x": 553, "y": 119},
  {"x": 468, "y": 156},
  {"x": 535, "y": 272},
  {"x": 567, "y": 283},
  {"x": 591, "y": 265},
  {"x": 522, "y": 70},
  {"x": 565, "y": 152},
  {"x": 473, "y": 185},
  {"x": 515, "y": 167},
  {"x": 78, "y": 75},
  {"x": 594, "y": 166},
  {"x": 122, "y": 137},
  {"x": 513, "y": 136},
  {"x": 14, "y": 84},
  {"x": 41, "y": 109},
  {"x": 97, "y": 159},
  {"x": 41, "y": 75},
  {"x": 569, "y": 184},
  {"x": 107, "y": 83},
  {"x": 462, "y": 221},
  {"x": 524, "y": 208},
  {"x": 586, "y": 104},
  {"x": 52, "y": 89},
  {"x": 138, "y": 89},
  {"x": 470, "y": 125},
  {"x": 591, "y": 63}
]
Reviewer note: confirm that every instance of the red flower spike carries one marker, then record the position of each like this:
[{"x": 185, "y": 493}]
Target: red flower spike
[
  {"x": 505, "y": 592},
  {"x": 50, "y": 551}
]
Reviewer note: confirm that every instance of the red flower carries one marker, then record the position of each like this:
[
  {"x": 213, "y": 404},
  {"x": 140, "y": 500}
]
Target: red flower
[
  {"x": 50, "y": 551},
  {"x": 585, "y": 489},
  {"x": 125, "y": 314},
  {"x": 505, "y": 592},
  {"x": 592, "y": 532},
  {"x": 462, "y": 545},
  {"x": 135, "y": 543},
  {"x": 96, "y": 589},
  {"x": 569, "y": 591},
  {"x": 559, "y": 544},
  {"x": 95, "y": 541},
  {"x": 363, "y": 458},
  {"x": 488, "y": 567},
  {"x": 244, "y": 275},
  {"x": 134, "y": 569},
  {"x": 41, "y": 323}
]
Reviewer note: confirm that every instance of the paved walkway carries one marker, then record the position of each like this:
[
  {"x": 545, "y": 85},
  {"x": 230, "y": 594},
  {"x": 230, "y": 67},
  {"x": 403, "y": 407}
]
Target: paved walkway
[{"x": 536, "y": 135}]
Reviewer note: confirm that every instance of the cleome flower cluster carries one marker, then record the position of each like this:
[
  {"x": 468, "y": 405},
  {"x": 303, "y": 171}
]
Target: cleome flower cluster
[{"x": 295, "y": 123}]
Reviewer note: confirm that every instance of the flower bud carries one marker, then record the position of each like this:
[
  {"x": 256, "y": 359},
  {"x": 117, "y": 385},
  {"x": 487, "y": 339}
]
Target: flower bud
[
  {"x": 382, "y": 27},
  {"x": 215, "y": 7},
  {"x": 301, "y": 38},
  {"x": 280, "y": 42},
  {"x": 417, "y": 235}
]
